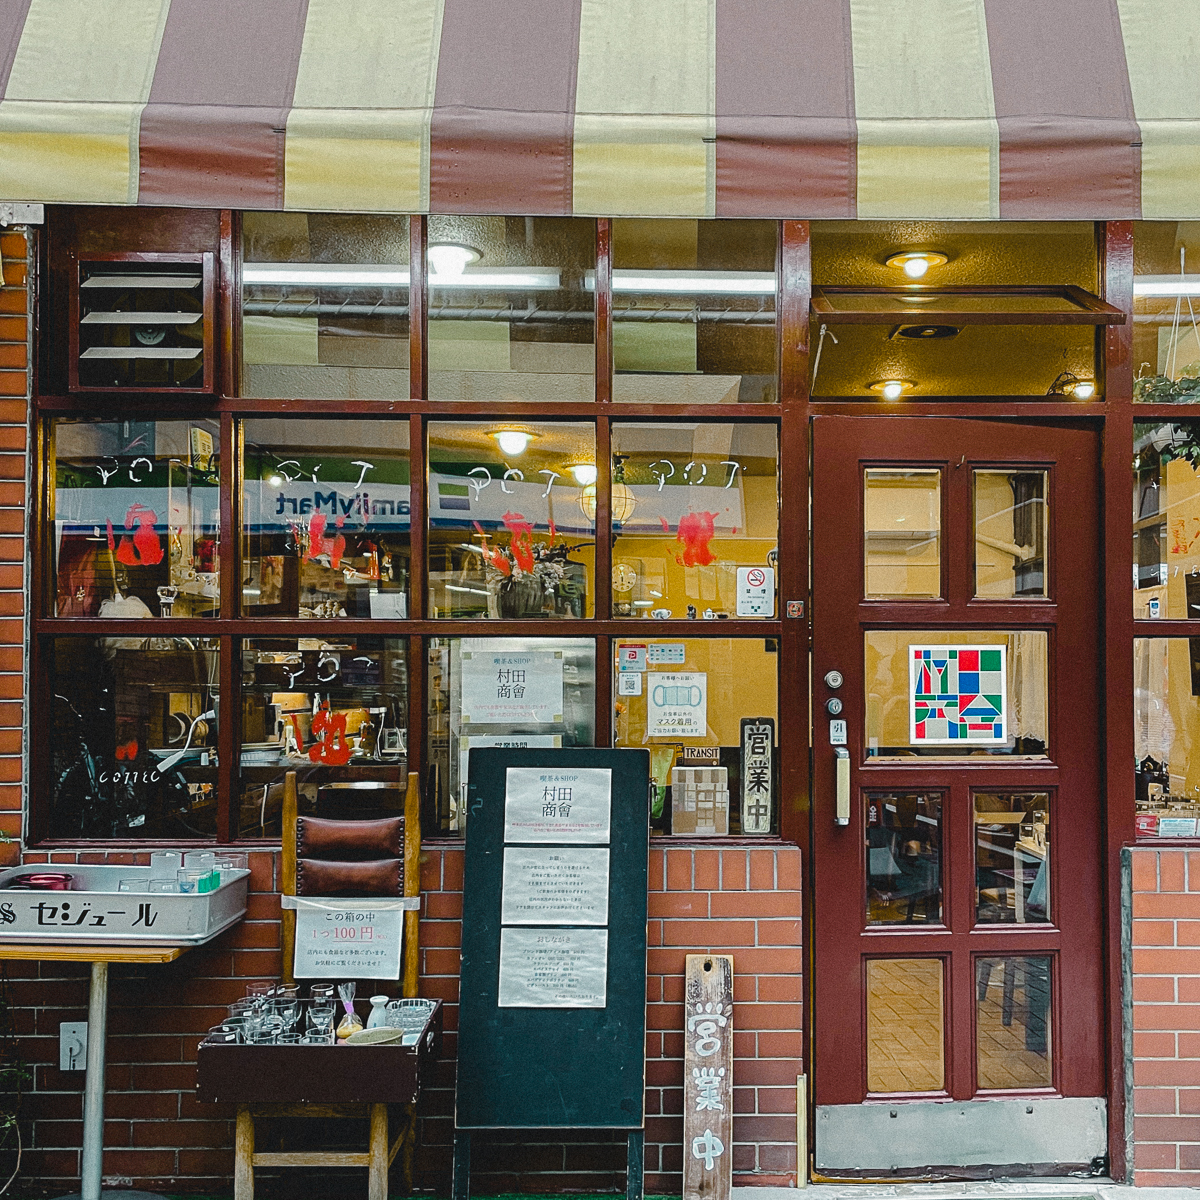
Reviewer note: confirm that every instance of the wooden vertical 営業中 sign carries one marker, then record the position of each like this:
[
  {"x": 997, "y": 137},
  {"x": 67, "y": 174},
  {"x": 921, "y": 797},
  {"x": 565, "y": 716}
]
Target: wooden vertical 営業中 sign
[{"x": 708, "y": 1077}]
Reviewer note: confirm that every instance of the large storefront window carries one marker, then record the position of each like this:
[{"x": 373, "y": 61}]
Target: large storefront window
[
  {"x": 511, "y": 309},
  {"x": 1166, "y": 727},
  {"x": 1166, "y": 291},
  {"x": 136, "y": 518},
  {"x": 133, "y": 738},
  {"x": 325, "y": 518}
]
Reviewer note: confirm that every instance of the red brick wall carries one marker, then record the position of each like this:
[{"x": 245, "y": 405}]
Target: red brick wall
[
  {"x": 14, "y": 418},
  {"x": 1166, "y": 1016},
  {"x": 157, "y": 1137}
]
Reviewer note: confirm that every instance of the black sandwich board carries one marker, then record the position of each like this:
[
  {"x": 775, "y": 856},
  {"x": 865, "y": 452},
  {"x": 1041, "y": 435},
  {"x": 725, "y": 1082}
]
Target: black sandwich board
[{"x": 555, "y": 1036}]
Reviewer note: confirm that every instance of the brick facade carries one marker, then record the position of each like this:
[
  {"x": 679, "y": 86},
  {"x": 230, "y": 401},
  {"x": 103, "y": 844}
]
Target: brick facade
[
  {"x": 1166, "y": 1016},
  {"x": 745, "y": 902}
]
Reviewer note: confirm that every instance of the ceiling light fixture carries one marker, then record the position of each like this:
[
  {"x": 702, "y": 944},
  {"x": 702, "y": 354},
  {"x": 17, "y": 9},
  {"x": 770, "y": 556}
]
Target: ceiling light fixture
[
  {"x": 891, "y": 389},
  {"x": 1069, "y": 384},
  {"x": 450, "y": 258},
  {"x": 1166, "y": 285},
  {"x": 584, "y": 473},
  {"x": 384, "y": 275},
  {"x": 513, "y": 441},
  {"x": 916, "y": 263},
  {"x": 707, "y": 283},
  {"x": 622, "y": 500}
]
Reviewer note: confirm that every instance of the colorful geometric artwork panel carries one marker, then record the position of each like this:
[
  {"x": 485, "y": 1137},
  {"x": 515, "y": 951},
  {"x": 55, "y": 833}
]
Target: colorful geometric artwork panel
[{"x": 958, "y": 695}]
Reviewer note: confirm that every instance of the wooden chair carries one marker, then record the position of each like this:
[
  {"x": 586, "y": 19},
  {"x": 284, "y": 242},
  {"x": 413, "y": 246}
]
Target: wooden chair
[{"x": 379, "y": 1155}]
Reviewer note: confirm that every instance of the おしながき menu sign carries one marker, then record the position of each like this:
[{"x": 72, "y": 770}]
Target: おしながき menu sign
[{"x": 552, "y": 1016}]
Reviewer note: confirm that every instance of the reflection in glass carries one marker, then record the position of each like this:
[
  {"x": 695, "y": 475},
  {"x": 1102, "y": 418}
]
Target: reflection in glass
[
  {"x": 905, "y": 1025},
  {"x": 1166, "y": 340},
  {"x": 1166, "y": 735},
  {"x": 133, "y": 744},
  {"x": 694, "y": 311},
  {"x": 325, "y": 305},
  {"x": 136, "y": 517},
  {"x": 535, "y": 693},
  {"x": 1011, "y": 516},
  {"x": 1166, "y": 521},
  {"x": 896, "y": 706},
  {"x": 325, "y": 518},
  {"x": 690, "y": 705},
  {"x": 333, "y": 712},
  {"x": 902, "y": 520},
  {"x": 691, "y": 504},
  {"x": 511, "y": 529},
  {"x": 1012, "y": 1022},
  {"x": 511, "y": 308},
  {"x": 1012, "y": 857},
  {"x": 904, "y": 849}
]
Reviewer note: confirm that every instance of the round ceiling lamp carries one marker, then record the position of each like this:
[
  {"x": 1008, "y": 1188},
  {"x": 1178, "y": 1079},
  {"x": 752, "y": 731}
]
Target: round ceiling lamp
[
  {"x": 892, "y": 389},
  {"x": 916, "y": 263},
  {"x": 513, "y": 442},
  {"x": 450, "y": 258}
]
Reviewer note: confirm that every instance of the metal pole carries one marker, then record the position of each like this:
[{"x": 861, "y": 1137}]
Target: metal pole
[{"x": 93, "y": 1090}]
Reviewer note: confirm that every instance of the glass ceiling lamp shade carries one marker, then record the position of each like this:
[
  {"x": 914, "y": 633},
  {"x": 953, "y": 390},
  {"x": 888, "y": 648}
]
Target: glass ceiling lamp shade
[
  {"x": 916, "y": 263},
  {"x": 623, "y": 499}
]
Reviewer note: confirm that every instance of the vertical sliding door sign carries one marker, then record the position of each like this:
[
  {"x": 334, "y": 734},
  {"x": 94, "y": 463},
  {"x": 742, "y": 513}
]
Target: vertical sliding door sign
[{"x": 708, "y": 1077}]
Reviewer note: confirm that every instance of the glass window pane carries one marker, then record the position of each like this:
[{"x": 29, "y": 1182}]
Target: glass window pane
[
  {"x": 335, "y": 713},
  {"x": 325, "y": 518},
  {"x": 1011, "y": 523},
  {"x": 1166, "y": 520},
  {"x": 707, "y": 710},
  {"x": 695, "y": 509},
  {"x": 902, "y": 521},
  {"x": 518, "y": 692},
  {"x": 512, "y": 308},
  {"x": 511, "y": 529},
  {"x": 325, "y": 305},
  {"x": 906, "y": 1032},
  {"x": 1012, "y": 1022},
  {"x": 136, "y": 518},
  {"x": 694, "y": 311},
  {"x": 133, "y": 749},
  {"x": 1012, "y": 857},
  {"x": 949, "y": 693},
  {"x": 935, "y": 359},
  {"x": 904, "y": 858},
  {"x": 1166, "y": 283},
  {"x": 1166, "y": 732}
]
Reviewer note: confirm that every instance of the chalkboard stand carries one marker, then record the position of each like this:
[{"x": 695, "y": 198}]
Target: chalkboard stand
[
  {"x": 635, "y": 1164},
  {"x": 545, "y": 1067}
]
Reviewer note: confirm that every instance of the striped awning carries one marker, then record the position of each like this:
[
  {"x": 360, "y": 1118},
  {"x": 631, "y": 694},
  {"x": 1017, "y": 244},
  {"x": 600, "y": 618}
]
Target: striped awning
[{"x": 1025, "y": 109}]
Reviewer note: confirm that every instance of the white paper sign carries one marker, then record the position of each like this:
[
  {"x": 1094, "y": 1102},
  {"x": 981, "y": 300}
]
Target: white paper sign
[
  {"x": 629, "y": 684},
  {"x": 347, "y": 939},
  {"x": 564, "y": 885},
  {"x": 553, "y": 968},
  {"x": 519, "y": 741},
  {"x": 512, "y": 688},
  {"x": 543, "y": 804},
  {"x": 677, "y": 704}
]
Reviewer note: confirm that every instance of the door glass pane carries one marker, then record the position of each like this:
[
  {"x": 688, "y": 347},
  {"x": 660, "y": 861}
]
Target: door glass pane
[
  {"x": 511, "y": 532},
  {"x": 1012, "y": 857},
  {"x": 905, "y": 1025},
  {"x": 1012, "y": 1022},
  {"x": 902, "y": 518},
  {"x": 325, "y": 518},
  {"x": 136, "y": 516},
  {"x": 952, "y": 693},
  {"x": 1011, "y": 515},
  {"x": 1166, "y": 735},
  {"x": 695, "y": 512},
  {"x": 1166, "y": 521},
  {"x": 904, "y": 848}
]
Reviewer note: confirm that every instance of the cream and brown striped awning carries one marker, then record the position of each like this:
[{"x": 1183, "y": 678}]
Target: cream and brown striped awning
[{"x": 803, "y": 108}]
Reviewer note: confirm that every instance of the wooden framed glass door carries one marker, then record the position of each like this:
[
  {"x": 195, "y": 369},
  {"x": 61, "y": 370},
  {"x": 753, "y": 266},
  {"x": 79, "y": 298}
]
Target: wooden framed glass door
[{"x": 957, "y": 851}]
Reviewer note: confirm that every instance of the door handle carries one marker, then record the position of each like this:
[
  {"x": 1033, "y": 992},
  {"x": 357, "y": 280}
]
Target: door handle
[{"x": 842, "y": 814}]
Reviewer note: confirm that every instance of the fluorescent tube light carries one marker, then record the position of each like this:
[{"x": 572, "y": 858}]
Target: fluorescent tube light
[
  {"x": 1166, "y": 285},
  {"x": 384, "y": 275},
  {"x": 709, "y": 283}
]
